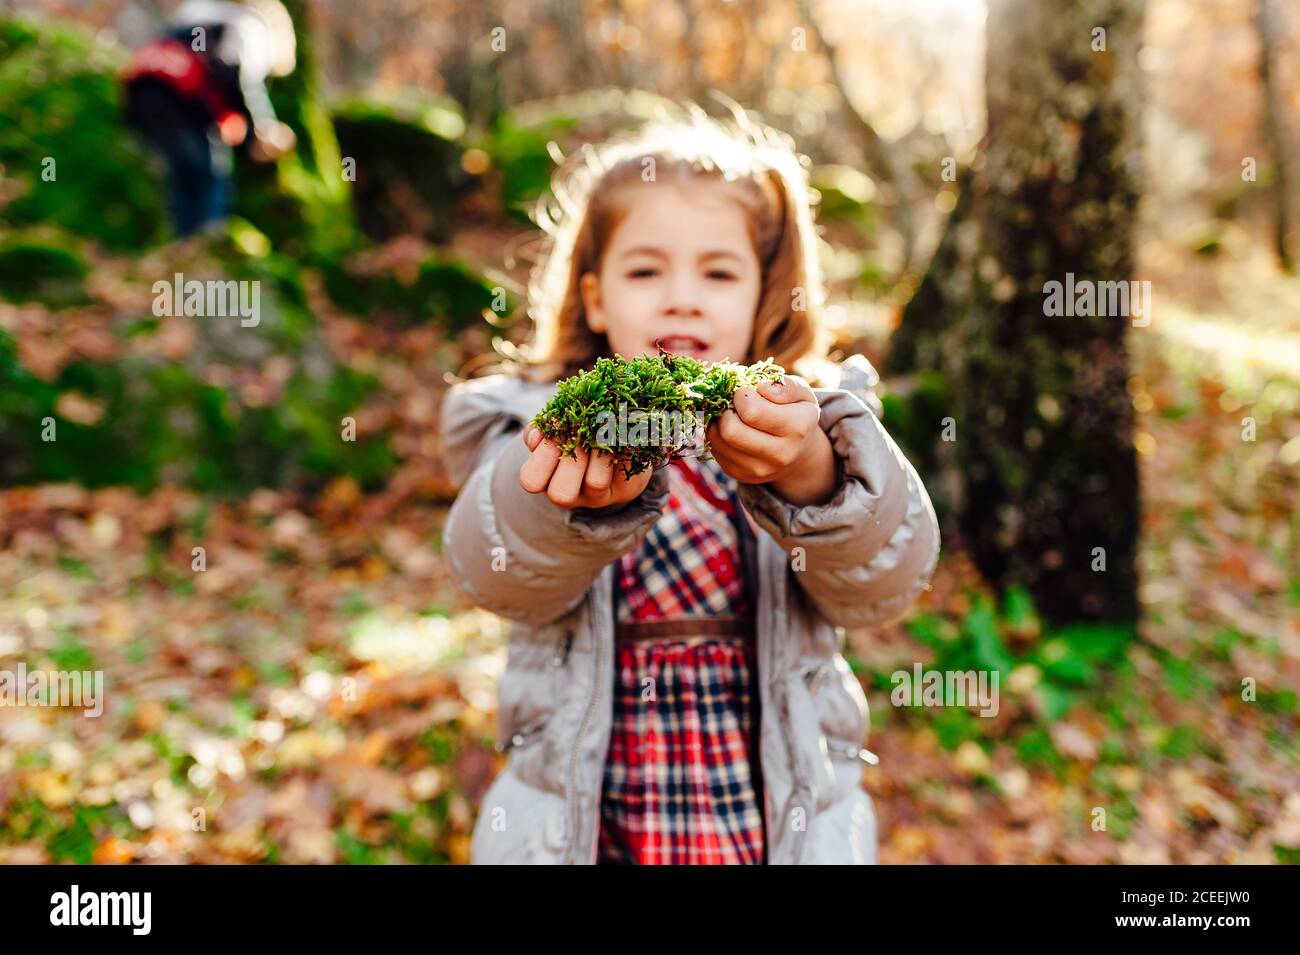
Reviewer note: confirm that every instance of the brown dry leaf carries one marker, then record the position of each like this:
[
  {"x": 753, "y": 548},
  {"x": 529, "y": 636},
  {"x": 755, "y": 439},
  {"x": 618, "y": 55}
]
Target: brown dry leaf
[
  {"x": 79, "y": 408},
  {"x": 114, "y": 851},
  {"x": 1074, "y": 742}
]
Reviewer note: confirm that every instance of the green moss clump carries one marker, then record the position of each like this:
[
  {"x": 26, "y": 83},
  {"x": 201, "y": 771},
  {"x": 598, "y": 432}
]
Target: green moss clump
[
  {"x": 43, "y": 265},
  {"x": 645, "y": 411},
  {"x": 72, "y": 161}
]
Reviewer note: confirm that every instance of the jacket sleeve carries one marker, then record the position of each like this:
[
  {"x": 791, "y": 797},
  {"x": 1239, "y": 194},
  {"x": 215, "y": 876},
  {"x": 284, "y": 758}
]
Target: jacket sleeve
[
  {"x": 517, "y": 554},
  {"x": 870, "y": 550}
]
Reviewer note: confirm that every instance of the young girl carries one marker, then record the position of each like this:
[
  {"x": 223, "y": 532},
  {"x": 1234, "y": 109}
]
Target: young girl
[{"x": 674, "y": 691}]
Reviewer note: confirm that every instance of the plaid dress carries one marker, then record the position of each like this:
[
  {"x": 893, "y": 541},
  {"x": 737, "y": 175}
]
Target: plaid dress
[{"x": 682, "y": 781}]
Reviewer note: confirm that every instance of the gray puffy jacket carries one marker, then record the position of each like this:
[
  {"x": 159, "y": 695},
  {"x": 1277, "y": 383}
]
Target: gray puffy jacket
[{"x": 856, "y": 561}]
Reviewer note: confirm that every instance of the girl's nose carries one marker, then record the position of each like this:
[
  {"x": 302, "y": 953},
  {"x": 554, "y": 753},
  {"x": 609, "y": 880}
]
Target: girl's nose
[{"x": 683, "y": 296}]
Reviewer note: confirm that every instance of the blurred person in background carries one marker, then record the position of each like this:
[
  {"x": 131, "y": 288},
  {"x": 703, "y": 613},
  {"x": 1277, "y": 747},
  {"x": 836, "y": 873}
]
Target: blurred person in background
[{"x": 197, "y": 93}]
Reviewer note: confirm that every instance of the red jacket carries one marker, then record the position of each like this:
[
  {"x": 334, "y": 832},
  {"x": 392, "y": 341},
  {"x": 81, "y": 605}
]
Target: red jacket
[{"x": 185, "y": 71}]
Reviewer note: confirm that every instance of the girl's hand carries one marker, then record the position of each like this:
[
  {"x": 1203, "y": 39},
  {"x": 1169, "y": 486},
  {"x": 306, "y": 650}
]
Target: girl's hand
[
  {"x": 590, "y": 481},
  {"x": 771, "y": 436}
]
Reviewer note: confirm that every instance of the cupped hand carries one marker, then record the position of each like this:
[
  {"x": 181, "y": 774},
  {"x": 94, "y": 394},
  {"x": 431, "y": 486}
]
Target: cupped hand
[
  {"x": 767, "y": 432},
  {"x": 589, "y": 480}
]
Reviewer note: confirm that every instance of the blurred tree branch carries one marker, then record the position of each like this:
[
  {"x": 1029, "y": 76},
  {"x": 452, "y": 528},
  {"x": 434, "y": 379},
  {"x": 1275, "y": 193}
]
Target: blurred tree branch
[
  {"x": 573, "y": 26},
  {"x": 881, "y": 159}
]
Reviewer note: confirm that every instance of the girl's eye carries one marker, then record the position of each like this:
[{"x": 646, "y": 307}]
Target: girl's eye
[
  {"x": 723, "y": 276},
  {"x": 642, "y": 273}
]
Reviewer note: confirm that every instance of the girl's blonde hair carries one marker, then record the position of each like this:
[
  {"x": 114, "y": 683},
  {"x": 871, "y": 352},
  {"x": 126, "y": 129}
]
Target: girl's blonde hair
[{"x": 765, "y": 172}]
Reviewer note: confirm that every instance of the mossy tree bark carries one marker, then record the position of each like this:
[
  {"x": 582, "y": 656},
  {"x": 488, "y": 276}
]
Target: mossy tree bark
[
  {"x": 297, "y": 99},
  {"x": 1043, "y": 417},
  {"x": 301, "y": 201}
]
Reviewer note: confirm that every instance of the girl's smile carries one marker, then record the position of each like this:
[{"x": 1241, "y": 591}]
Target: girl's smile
[{"x": 684, "y": 345}]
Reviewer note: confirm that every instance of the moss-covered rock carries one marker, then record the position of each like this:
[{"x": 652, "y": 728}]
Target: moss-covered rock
[
  {"x": 407, "y": 166},
  {"x": 522, "y": 159},
  {"x": 64, "y": 144},
  {"x": 236, "y": 407},
  {"x": 44, "y": 265},
  {"x": 444, "y": 290},
  {"x": 160, "y": 422}
]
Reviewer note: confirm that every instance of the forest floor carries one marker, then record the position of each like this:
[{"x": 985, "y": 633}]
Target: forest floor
[
  {"x": 320, "y": 693},
  {"x": 1163, "y": 752}
]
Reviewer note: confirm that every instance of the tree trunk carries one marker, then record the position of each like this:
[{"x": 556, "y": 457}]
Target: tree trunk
[
  {"x": 1043, "y": 419},
  {"x": 473, "y": 71},
  {"x": 1274, "y": 131}
]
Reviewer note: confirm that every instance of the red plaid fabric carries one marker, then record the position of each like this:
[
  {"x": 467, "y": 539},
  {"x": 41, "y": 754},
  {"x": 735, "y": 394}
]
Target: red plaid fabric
[
  {"x": 682, "y": 780},
  {"x": 688, "y": 565}
]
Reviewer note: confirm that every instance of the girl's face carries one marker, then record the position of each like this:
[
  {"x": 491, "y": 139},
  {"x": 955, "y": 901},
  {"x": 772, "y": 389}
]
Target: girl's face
[{"x": 679, "y": 269}]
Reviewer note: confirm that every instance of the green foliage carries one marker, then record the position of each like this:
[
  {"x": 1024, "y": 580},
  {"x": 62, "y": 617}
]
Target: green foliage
[
  {"x": 1018, "y": 610},
  {"x": 1183, "y": 677},
  {"x": 44, "y": 265},
  {"x": 297, "y": 101},
  {"x": 356, "y": 852},
  {"x": 1287, "y": 855},
  {"x": 302, "y": 201},
  {"x": 178, "y": 762},
  {"x": 408, "y": 169},
  {"x": 1181, "y": 741},
  {"x": 444, "y": 291},
  {"x": 955, "y": 725},
  {"x": 668, "y": 396},
  {"x": 165, "y": 421},
  {"x": 913, "y": 415},
  {"x": 1283, "y": 702},
  {"x": 847, "y": 195},
  {"x": 522, "y": 159},
  {"x": 60, "y": 99},
  {"x": 441, "y": 743},
  {"x": 304, "y": 213},
  {"x": 980, "y": 629},
  {"x": 1035, "y": 748},
  {"x": 1071, "y": 658},
  {"x": 72, "y": 655},
  {"x": 416, "y": 829},
  {"x": 76, "y": 841}
]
